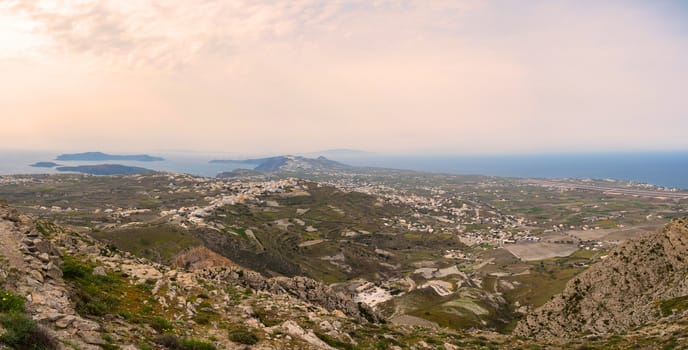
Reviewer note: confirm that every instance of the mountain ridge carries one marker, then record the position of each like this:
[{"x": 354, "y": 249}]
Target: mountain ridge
[
  {"x": 287, "y": 163},
  {"x": 626, "y": 290}
]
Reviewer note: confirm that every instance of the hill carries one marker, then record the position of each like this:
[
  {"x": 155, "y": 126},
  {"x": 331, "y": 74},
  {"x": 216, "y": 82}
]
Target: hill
[
  {"x": 64, "y": 290},
  {"x": 288, "y": 163},
  {"x": 641, "y": 281}
]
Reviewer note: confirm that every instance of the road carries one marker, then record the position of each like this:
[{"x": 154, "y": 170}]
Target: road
[{"x": 609, "y": 189}]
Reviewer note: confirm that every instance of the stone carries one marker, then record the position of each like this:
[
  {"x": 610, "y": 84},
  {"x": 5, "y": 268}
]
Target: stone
[
  {"x": 338, "y": 313},
  {"x": 32, "y": 282},
  {"x": 45, "y": 258},
  {"x": 36, "y": 275},
  {"x": 64, "y": 322},
  {"x": 91, "y": 337},
  {"x": 86, "y": 325},
  {"x": 54, "y": 272},
  {"x": 49, "y": 316},
  {"x": 326, "y": 326},
  {"x": 37, "y": 298},
  {"x": 292, "y": 328},
  {"x": 42, "y": 246},
  {"x": 99, "y": 271}
]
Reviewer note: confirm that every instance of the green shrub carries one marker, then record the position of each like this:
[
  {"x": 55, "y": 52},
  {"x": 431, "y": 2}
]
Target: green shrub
[
  {"x": 171, "y": 342},
  {"x": 74, "y": 269},
  {"x": 676, "y": 304},
  {"x": 265, "y": 317},
  {"x": 10, "y": 302},
  {"x": 161, "y": 325},
  {"x": 95, "y": 295},
  {"x": 333, "y": 342},
  {"x": 192, "y": 344},
  {"x": 243, "y": 336},
  {"x": 202, "y": 318},
  {"x": 22, "y": 333}
]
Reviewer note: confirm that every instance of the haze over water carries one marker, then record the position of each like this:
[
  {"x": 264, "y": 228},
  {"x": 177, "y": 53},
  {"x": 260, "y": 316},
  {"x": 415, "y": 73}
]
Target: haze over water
[{"x": 660, "y": 168}]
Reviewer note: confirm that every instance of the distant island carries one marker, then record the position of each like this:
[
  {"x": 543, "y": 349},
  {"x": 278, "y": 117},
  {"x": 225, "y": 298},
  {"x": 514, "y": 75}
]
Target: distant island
[
  {"x": 100, "y": 156},
  {"x": 105, "y": 169},
  {"x": 44, "y": 165},
  {"x": 286, "y": 163}
]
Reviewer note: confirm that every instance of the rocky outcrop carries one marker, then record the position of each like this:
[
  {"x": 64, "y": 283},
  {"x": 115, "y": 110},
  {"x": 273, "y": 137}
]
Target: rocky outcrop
[
  {"x": 198, "y": 258},
  {"x": 619, "y": 293},
  {"x": 303, "y": 288},
  {"x": 33, "y": 271},
  {"x": 216, "y": 267}
]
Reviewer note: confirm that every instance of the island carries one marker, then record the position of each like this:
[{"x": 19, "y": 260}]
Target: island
[
  {"x": 105, "y": 169},
  {"x": 100, "y": 156},
  {"x": 44, "y": 165},
  {"x": 286, "y": 163}
]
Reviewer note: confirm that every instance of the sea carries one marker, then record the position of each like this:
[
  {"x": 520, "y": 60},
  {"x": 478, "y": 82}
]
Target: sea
[
  {"x": 668, "y": 169},
  {"x": 19, "y": 162}
]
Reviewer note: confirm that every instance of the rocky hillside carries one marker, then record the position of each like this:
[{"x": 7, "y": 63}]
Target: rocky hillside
[
  {"x": 63, "y": 290},
  {"x": 87, "y": 295},
  {"x": 640, "y": 281}
]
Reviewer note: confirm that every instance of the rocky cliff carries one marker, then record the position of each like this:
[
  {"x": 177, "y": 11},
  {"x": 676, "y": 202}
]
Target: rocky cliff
[{"x": 638, "y": 282}]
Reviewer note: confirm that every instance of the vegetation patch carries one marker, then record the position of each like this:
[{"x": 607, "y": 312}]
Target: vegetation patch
[
  {"x": 96, "y": 295},
  {"x": 10, "y": 302},
  {"x": 268, "y": 318},
  {"x": 23, "y": 333},
  {"x": 670, "y": 306},
  {"x": 111, "y": 294},
  {"x": 242, "y": 335},
  {"x": 334, "y": 342},
  {"x": 159, "y": 243},
  {"x": 171, "y": 342}
]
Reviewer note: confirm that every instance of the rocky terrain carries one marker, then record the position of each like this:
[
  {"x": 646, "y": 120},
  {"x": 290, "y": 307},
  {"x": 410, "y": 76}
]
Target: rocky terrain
[
  {"x": 166, "y": 261},
  {"x": 640, "y": 281},
  {"x": 76, "y": 293}
]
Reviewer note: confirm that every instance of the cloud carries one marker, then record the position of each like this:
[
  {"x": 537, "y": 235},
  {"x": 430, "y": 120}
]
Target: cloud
[
  {"x": 172, "y": 34},
  {"x": 168, "y": 34},
  {"x": 457, "y": 75}
]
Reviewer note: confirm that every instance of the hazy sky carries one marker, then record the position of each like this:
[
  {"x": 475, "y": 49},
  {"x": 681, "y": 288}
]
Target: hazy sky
[{"x": 304, "y": 75}]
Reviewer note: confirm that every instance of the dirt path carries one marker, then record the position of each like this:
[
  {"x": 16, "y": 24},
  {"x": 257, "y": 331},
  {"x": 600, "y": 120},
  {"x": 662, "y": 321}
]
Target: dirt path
[{"x": 9, "y": 244}]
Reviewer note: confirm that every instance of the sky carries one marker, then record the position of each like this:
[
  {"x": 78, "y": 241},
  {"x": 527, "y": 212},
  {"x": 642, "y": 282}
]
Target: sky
[{"x": 399, "y": 76}]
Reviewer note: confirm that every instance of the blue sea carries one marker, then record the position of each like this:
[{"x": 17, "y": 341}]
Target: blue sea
[{"x": 660, "y": 168}]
